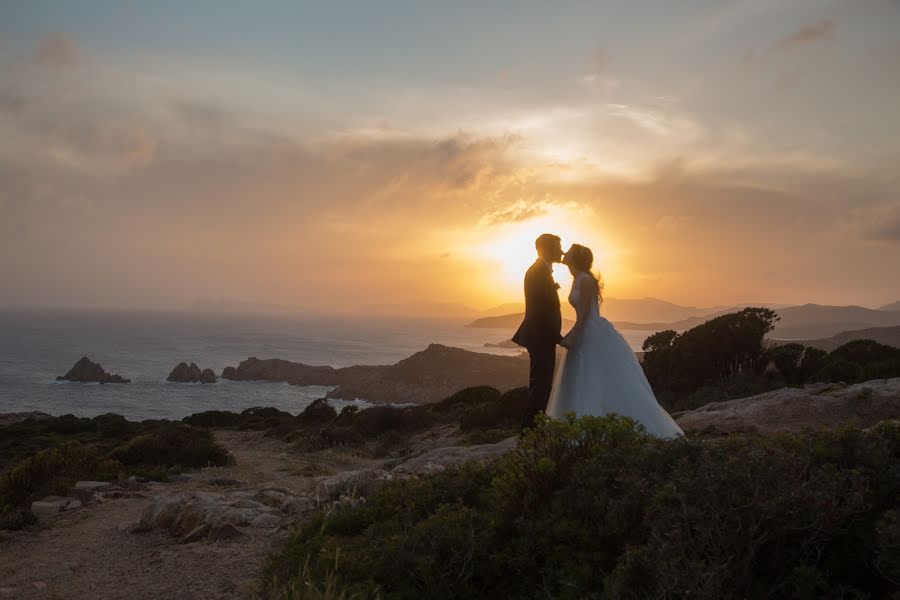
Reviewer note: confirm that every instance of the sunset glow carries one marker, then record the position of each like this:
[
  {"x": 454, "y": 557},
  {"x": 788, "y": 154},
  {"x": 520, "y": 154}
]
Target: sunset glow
[{"x": 324, "y": 159}]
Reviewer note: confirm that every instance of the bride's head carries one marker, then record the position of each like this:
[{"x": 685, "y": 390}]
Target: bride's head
[{"x": 580, "y": 259}]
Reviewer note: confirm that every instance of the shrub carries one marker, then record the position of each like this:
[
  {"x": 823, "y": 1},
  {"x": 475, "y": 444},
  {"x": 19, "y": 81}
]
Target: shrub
[
  {"x": 13, "y": 519},
  {"x": 318, "y": 412},
  {"x": 594, "y": 508},
  {"x": 719, "y": 349},
  {"x": 52, "y": 472},
  {"x": 172, "y": 445},
  {"x": 260, "y": 419},
  {"x": 214, "y": 418}
]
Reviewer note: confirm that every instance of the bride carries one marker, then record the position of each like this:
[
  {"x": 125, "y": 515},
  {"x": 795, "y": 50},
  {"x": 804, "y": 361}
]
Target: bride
[{"x": 599, "y": 373}]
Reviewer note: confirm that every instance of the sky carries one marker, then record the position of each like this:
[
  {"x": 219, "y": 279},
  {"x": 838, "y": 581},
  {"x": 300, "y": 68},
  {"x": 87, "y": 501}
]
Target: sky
[{"x": 352, "y": 156}]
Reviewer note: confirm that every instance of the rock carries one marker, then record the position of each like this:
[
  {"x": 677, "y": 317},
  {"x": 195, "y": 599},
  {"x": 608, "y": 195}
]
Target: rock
[
  {"x": 298, "y": 506},
  {"x": 88, "y": 492},
  {"x": 196, "y": 534},
  {"x": 130, "y": 527},
  {"x": 224, "y": 482},
  {"x": 182, "y": 514},
  {"x": 796, "y": 409},
  {"x": 53, "y": 505},
  {"x": 439, "y": 459},
  {"x": 85, "y": 371},
  {"x": 184, "y": 373},
  {"x": 94, "y": 486},
  {"x": 351, "y": 483},
  {"x": 224, "y": 531},
  {"x": 273, "y": 498}
]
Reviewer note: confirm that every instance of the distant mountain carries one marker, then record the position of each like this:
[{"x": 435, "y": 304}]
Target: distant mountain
[
  {"x": 510, "y": 322},
  {"x": 807, "y": 322},
  {"x": 889, "y": 336},
  {"x": 652, "y": 310},
  {"x": 422, "y": 309},
  {"x": 813, "y": 321},
  {"x": 891, "y": 306}
]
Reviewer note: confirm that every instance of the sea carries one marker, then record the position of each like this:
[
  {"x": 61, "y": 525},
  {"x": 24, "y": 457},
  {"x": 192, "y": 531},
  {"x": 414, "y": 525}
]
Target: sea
[{"x": 144, "y": 346}]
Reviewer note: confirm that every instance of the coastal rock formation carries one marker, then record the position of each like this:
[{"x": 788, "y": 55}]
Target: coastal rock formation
[
  {"x": 795, "y": 409},
  {"x": 425, "y": 377},
  {"x": 207, "y": 376},
  {"x": 192, "y": 516},
  {"x": 86, "y": 371},
  {"x": 439, "y": 459},
  {"x": 275, "y": 369},
  {"x": 184, "y": 373}
]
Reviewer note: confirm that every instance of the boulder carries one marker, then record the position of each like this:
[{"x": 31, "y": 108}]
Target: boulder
[
  {"x": 86, "y": 371},
  {"x": 191, "y": 373},
  {"x": 53, "y": 505},
  {"x": 439, "y": 459},
  {"x": 88, "y": 492},
  {"x": 191, "y": 516},
  {"x": 351, "y": 483},
  {"x": 796, "y": 409}
]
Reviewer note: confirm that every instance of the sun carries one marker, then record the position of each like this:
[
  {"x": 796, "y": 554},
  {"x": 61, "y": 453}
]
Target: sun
[{"x": 507, "y": 249}]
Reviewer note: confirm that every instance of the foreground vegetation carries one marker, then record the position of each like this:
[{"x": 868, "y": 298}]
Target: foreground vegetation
[
  {"x": 592, "y": 508},
  {"x": 481, "y": 414},
  {"x": 41, "y": 457},
  {"x": 729, "y": 357}
]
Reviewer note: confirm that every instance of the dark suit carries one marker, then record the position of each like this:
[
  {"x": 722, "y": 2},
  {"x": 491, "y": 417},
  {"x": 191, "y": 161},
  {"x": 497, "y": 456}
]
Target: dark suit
[{"x": 539, "y": 334}]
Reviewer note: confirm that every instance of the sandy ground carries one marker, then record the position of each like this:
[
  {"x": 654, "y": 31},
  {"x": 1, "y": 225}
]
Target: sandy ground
[{"x": 87, "y": 553}]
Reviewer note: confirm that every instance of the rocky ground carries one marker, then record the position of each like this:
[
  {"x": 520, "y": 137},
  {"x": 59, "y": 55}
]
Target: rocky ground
[
  {"x": 795, "y": 409},
  {"x": 207, "y": 534}
]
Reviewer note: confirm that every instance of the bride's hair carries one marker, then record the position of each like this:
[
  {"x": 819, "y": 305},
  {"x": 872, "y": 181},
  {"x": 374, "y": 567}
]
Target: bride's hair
[{"x": 582, "y": 259}]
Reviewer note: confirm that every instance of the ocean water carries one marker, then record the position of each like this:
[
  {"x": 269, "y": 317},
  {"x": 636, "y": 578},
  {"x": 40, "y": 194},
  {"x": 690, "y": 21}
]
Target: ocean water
[{"x": 36, "y": 346}]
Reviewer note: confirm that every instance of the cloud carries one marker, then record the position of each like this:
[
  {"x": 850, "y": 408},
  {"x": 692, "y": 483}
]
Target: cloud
[
  {"x": 518, "y": 211},
  {"x": 887, "y": 229},
  {"x": 823, "y": 30},
  {"x": 58, "y": 50}
]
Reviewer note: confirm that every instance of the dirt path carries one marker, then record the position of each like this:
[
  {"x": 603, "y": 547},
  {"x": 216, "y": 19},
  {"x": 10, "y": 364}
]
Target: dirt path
[{"x": 87, "y": 553}]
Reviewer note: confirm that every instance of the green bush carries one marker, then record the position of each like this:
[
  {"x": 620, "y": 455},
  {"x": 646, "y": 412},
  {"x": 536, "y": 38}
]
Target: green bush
[
  {"x": 52, "y": 472},
  {"x": 593, "y": 508},
  {"x": 13, "y": 519},
  {"x": 173, "y": 445},
  {"x": 214, "y": 419}
]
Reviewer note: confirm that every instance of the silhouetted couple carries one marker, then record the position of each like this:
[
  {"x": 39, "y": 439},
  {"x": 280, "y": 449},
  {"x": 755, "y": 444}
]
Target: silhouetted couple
[{"x": 599, "y": 373}]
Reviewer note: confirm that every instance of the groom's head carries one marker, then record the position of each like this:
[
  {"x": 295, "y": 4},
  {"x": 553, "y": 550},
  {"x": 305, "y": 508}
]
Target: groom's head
[{"x": 549, "y": 247}]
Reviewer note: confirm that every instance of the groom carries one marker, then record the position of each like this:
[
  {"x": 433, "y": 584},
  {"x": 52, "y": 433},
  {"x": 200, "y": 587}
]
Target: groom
[{"x": 539, "y": 331}]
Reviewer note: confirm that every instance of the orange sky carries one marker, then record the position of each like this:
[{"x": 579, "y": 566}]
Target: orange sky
[{"x": 742, "y": 152}]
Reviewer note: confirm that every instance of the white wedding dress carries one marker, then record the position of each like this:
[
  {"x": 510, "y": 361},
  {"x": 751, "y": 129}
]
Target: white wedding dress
[{"x": 600, "y": 375}]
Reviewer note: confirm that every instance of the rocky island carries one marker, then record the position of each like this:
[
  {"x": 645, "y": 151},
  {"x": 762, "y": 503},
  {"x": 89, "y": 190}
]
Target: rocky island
[
  {"x": 425, "y": 377},
  {"x": 184, "y": 373},
  {"x": 86, "y": 371}
]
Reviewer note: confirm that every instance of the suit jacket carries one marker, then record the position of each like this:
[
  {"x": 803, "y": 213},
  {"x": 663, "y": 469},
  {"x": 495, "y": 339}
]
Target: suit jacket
[{"x": 543, "y": 321}]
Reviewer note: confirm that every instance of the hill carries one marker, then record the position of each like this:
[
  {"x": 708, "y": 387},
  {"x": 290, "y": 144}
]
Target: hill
[
  {"x": 653, "y": 310},
  {"x": 425, "y": 377},
  {"x": 891, "y": 306},
  {"x": 889, "y": 336},
  {"x": 510, "y": 322},
  {"x": 813, "y": 321}
]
